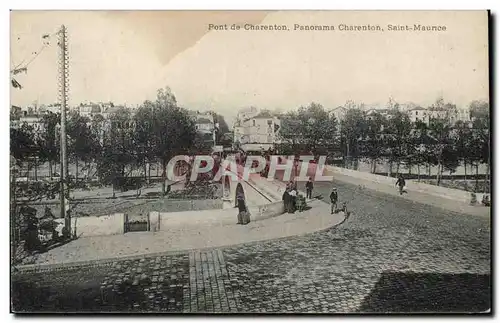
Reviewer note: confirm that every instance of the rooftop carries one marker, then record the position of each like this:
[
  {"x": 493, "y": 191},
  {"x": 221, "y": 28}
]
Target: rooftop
[
  {"x": 417, "y": 108},
  {"x": 204, "y": 121}
]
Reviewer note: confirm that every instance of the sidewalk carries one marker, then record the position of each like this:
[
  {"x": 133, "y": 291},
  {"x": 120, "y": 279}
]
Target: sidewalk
[
  {"x": 193, "y": 236},
  {"x": 417, "y": 196},
  {"x": 415, "y": 193}
]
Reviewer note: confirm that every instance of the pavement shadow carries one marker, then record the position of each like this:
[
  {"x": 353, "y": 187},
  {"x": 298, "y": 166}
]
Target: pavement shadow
[
  {"x": 407, "y": 292},
  {"x": 60, "y": 243}
]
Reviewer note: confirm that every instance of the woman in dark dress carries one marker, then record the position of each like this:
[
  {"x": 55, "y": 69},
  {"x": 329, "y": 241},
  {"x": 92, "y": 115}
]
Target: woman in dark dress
[
  {"x": 286, "y": 200},
  {"x": 293, "y": 201},
  {"x": 243, "y": 217}
]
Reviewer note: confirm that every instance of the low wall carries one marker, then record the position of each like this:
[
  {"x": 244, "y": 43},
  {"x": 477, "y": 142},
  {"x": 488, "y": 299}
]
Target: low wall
[
  {"x": 266, "y": 211},
  {"x": 191, "y": 205},
  {"x": 332, "y": 170},
  {"x": 95, "y": 225},
  {"x": 160, "y": 221},
  {"x": 220, "y": 217},
  {"x": 255, "y": 194},
  {"x": 262, "y": 185},
  {"x": 443, "y": 192}
]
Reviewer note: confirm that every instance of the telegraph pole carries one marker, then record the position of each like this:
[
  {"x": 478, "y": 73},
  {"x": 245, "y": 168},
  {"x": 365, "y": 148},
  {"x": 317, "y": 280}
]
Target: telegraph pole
[{"x": 63, "y": 88}]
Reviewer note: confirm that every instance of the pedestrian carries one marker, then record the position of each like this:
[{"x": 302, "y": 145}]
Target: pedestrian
[
  {"x": 293, "y": 201},
  {"x": 333, "y": 200},
  {"x": 243, "y": 217},
  {"x": 286, "y": 200},
  {"x": 309, "y": 188},
  {"x": 401, "y": 183},
  {"x": 301, "y": 202}
]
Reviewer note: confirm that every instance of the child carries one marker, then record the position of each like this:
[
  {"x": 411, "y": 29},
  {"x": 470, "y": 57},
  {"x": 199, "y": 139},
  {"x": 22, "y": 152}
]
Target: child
[{"x": 301, "y": 202}]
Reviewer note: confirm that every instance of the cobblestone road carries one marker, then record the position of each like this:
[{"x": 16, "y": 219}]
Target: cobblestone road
[{"x": 390, "y": 255}]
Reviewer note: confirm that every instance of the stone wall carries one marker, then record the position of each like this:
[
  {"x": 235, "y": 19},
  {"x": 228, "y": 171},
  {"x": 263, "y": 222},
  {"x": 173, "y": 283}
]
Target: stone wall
[
  {"x": 349, "y": 175},
  {"x": 96, "y": 225}
]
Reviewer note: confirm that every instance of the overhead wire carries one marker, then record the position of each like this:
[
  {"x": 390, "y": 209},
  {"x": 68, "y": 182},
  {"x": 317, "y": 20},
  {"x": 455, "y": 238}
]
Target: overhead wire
[
  {"x": 18, "y": 69},
  {"x": 37, "y": 53}
]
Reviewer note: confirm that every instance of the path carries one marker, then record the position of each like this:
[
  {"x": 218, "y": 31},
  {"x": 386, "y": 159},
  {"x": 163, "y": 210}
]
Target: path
[
  {"x": 392, "y": 255},
  {"x": 192, "y": 236}
]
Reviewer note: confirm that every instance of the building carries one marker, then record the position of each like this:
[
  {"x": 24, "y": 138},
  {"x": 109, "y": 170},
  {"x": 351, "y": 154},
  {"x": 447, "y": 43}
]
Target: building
[
  {"x": 464, "y": 114},
  {"x": 205, "y": 126},
  {"x": 15, "y": 115},
  {"x": 89, "y": 110},
  {"x": 256, "y": 131},
  {"x": 419, "y": 114},
  {"x": 51, "y": 108},
  {"x": 32, "y": 115},
  {"x": 107, "y": 111},
  {"x": 247, "y": 113},
  {"x": 33, "y": 120},
  {"x": 339, "y": 113}
]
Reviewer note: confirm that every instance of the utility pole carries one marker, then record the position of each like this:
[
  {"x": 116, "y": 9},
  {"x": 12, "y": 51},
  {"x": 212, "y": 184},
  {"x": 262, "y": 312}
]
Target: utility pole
[
  {"x": 13, "y": 213},
  {"x": 63, "y": 88}
]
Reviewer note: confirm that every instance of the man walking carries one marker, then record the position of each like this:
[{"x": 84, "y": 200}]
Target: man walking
[
  {"x": 309, "y": 188},
  {"x": 333, "y": 200},
  {"x": 401, "y": 183}
]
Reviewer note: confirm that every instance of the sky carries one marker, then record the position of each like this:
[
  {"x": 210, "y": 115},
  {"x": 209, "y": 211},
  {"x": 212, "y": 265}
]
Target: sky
[{"x": 125, "y": 57}]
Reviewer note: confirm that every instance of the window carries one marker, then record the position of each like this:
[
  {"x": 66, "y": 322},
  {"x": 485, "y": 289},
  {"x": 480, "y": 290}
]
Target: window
[
  {"x": 253, "y": 121},
  {"x": 270, "y": 122}
]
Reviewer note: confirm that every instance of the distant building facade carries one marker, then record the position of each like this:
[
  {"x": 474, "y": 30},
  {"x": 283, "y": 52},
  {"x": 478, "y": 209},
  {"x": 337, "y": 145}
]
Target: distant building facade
[
  {"x": 205, "y": 125},
  {"x": 255, "y": 131}
]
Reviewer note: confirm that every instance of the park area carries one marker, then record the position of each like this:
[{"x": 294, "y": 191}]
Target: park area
[{"x": 39, "y": 227}]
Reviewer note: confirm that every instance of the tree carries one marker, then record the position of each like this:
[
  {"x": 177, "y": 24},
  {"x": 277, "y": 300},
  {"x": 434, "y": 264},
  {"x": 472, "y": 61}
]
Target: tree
[
  {"x": 173, "y": 130},
  {"x": 373, "y": 142},
  {"x": 82, "y": 142},
  {"x": 22, "y": 142},
  {"x": 438, "y": 105},
  {"x": 97, "y": 126},
  {"x": 49, "y": 140},
  {"x": 479, "y": 109},
  {"x": 421, "y": 143},
  {"x": 311, "y": 128},
  {"x": 439, "y": 130},
  {"x": 144, "y": 132},
  {"x": 118, "y": 151},
  {"x": 222, "y": 129},
  {"x": 353, "y": 128},
  {"x": 25, "y": 147},
  {"x": 461, "y": 136},
  {"x": 289, "y": 133},
  {"x": 398, "y": 138},
  {"x": 480, "y": 116},
  {"x": 481, "y": 145}
]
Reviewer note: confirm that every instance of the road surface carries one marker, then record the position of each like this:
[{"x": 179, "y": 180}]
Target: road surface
[{"x": 390, "y": 255}]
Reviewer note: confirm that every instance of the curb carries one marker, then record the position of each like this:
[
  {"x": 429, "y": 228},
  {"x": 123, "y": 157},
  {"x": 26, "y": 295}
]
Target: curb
[{"x": 107, "y": 262}]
